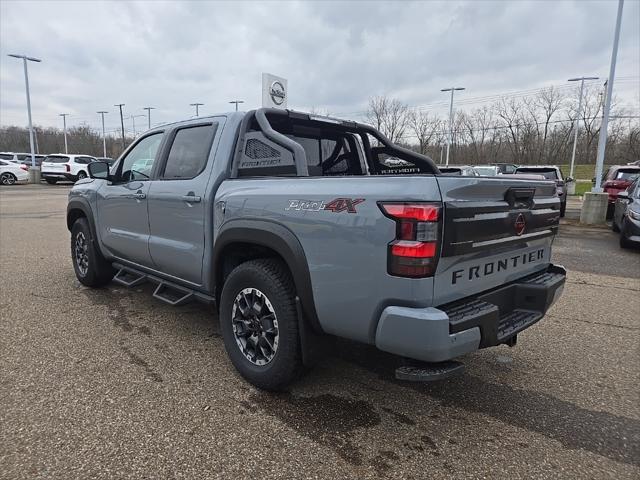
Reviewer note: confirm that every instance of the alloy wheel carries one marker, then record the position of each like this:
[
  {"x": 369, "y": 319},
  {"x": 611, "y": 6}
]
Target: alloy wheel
[
  {"x": 7, "y": 179},
  {"x": 255, "y": 326},
  {"x": 81, "y": 253}
]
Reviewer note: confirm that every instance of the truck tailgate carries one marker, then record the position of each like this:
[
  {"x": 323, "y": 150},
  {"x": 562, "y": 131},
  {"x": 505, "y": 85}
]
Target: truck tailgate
[{"x": 495, "y": 231}]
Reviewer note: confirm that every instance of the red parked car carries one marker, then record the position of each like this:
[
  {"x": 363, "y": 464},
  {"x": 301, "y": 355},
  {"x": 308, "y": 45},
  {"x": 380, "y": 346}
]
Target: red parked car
[{"x": 616, "y": 179}]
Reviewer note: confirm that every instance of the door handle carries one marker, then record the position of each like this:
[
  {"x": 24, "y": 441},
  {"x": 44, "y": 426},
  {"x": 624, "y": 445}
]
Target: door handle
[
  {"x": 139, "y": 195},
  {"x": 191, "y": 198}
]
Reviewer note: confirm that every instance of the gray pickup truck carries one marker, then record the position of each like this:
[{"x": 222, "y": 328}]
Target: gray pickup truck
[{"x": 297, "y": 228}]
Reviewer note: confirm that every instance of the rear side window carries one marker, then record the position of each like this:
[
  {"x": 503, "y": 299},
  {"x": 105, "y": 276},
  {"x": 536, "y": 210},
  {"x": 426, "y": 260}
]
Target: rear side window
[
  {"x": 189, "y": 152},
  {"x": 6, "y": 156},
  {"x": 56, "y": 159},
  {"x": 84, "y": 160}
]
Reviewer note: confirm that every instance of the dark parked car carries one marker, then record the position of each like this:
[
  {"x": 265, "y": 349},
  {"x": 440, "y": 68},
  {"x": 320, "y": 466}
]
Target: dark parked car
[
  {"x": 616, "y": 179},
  {"x": 27, "y": 160},
  {"x": 551, "y": 172},
  {"x": 626, "y": 216}
]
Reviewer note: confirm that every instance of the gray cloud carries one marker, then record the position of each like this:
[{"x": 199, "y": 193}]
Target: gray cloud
[{"x": 335, "y": 55}]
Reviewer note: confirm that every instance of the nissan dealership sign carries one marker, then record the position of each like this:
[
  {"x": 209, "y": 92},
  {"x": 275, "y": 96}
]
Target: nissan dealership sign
[{"x": 274, "y": 91}]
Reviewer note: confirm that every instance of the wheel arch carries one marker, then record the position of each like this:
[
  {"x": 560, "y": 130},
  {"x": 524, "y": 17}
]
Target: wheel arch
[
  {"x": 242, "y": 240},
  {"x": 79, "y": 208}
]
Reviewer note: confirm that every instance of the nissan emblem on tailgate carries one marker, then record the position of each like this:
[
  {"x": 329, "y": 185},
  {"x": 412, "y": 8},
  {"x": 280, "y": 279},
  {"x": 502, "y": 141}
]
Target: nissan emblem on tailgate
[{"x": 520, "y": 224}]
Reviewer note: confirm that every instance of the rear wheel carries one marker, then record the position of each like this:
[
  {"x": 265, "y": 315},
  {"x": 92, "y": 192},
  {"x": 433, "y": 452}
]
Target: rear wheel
[
  {"x": 90, "y": 266},
  {"x": 51, "y": 181},
  {"x": 8, "y": 178},
  {"x": 81, "y": 175},
  {"x": 259, "y": 323}
]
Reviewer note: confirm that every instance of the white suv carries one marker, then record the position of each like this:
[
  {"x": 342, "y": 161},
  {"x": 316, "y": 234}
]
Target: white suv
[{"x": 65, "y": 167}]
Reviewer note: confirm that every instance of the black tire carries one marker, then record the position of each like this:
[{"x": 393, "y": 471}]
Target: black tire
[
  {"x": 624, "y": 242},
  {"x": 563, "y": 208},
  {"x": 51, "y": 181},
  {"x": 272, "y": 279},
  {"x": 614, "y": 225},
  {"x": 81, "y": 175},
  {"x": 95, "y": 270},
  {"x": 610, "y": 209},
  {"x": 8, "y": 178}
]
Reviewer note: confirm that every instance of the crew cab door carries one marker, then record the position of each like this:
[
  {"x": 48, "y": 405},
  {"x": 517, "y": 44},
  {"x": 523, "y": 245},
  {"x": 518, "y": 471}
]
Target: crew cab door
[
  {"x": 123, "y": 219},
  {"x": 178, "y": 201}
]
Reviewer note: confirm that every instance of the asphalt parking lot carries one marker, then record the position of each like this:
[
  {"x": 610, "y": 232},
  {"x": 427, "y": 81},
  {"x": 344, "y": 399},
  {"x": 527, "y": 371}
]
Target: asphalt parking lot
[{"x": 112, "y": 383}]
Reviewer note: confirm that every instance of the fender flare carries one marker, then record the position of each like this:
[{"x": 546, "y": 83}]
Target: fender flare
[
  {"x": 280, "y": 239},
  {"x": 82, "y": 205}
]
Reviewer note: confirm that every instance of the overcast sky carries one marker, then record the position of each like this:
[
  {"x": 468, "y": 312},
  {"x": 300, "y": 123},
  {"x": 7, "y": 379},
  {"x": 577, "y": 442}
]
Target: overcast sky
[{"x": 335, "y": 55}]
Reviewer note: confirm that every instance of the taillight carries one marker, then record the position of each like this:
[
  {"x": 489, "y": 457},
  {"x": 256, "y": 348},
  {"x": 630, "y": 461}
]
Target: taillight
[
  {"x": 414, "y": 252},
  {"x": 67, "y": 167},
  {"x": 24, "y": 167}
]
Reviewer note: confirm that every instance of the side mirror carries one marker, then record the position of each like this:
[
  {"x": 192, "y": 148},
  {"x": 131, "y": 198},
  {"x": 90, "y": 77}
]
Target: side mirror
[{"x": 99, "y": 170}]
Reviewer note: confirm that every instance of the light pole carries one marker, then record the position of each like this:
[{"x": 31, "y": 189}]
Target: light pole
[
  {"x": 64, "y": 129},
  {"x": 236, "y": 102},
  {"x": 602, "y": 141},
  {"x": 104, "y": 138},
  {"x": 197, "y": 105},
  {"x": 576, "y": 123},
  {"x": 133, "y": 120},
  {"x": 148, "y": 109},
  {"x": 120, "y": 105},
  {"x": 24, "y": 58},
  {"x": 452, "y": 89}
]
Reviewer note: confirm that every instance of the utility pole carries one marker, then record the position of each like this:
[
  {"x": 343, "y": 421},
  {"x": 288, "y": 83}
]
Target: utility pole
[
  {"x": 452, "y": 89},
  {"x": 576, "y": 122},
  {"x": 120, "y": 105},
  {"x": 602, "y": 141},
  {"x": 236, "y": 102},
  {"x": 596, "y": 202},
  {"x": 148, "y": 109},
  {"x": 104, "y": 138},
  {"x": 197, "y": 105},
  {"x": 64, "y": 123},
  {"x": 133, "y": 119},
  {"x": 35, "y": 178}
]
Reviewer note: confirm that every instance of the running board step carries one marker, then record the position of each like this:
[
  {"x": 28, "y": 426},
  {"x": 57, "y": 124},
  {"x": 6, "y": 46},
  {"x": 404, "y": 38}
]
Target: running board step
[
  {"x": 429, "y": 372},
  {"x": 129, "y": 279},
  {"x": 173, "y": 295}
]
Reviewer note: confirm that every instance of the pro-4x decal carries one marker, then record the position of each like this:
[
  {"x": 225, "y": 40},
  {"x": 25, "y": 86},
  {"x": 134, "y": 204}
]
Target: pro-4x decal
[{"x": 336, "y": 206}]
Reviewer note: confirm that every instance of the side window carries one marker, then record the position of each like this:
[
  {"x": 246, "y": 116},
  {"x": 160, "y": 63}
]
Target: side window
[
  {"x": 139, "y": 161},
  {"x": 189, "y": 152}
]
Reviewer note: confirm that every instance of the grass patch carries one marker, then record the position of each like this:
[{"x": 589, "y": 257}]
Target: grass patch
[
  {"x": 582, "y": 187},
  {"x": 580, "y": 172}
]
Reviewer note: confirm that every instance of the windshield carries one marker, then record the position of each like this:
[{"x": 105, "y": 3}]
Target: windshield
[
  {"x": 57, "y": 159},
  {"x": 627, "y": 174}
]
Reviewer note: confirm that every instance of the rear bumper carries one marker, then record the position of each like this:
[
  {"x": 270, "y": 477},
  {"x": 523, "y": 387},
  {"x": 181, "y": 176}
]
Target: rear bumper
[
  {"x": 58, "y": 175},
  {"x": 484, "y": 320}
]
